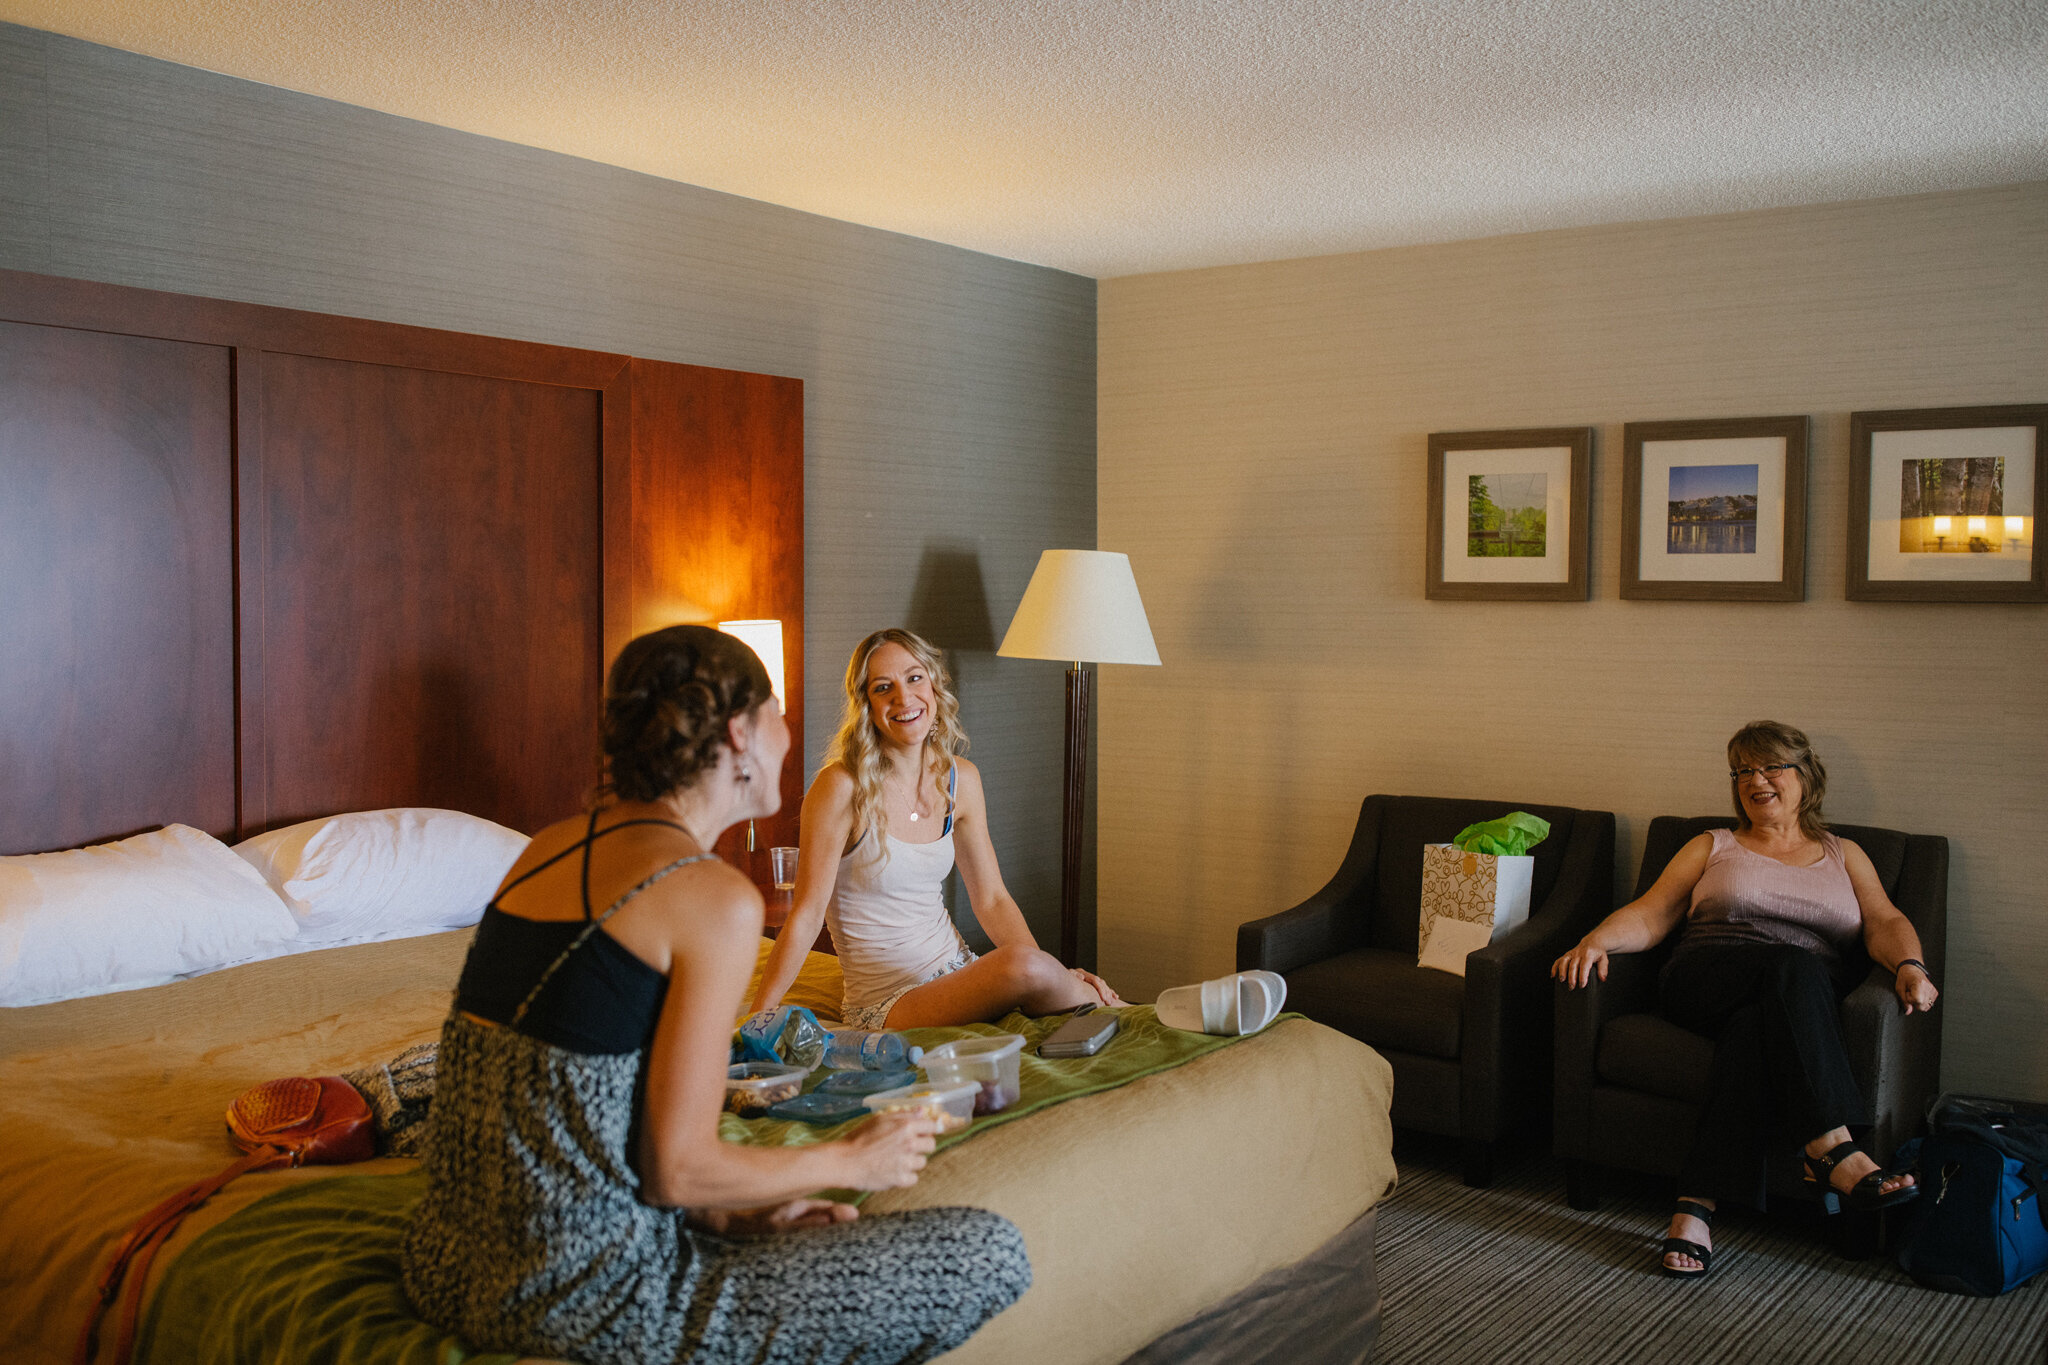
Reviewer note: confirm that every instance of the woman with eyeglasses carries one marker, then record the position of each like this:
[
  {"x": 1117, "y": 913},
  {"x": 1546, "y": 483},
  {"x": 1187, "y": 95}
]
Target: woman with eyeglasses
[{"x": 1764, "y": 914}]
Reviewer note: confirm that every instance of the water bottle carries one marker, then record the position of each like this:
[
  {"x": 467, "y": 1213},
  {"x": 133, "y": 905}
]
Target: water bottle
[
  {"x": 853, "y": 1049},
  {"x": 787, "y": 1033}
]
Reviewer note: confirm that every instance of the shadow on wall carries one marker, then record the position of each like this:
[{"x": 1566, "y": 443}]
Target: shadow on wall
[{"x": 949, "y": 607}]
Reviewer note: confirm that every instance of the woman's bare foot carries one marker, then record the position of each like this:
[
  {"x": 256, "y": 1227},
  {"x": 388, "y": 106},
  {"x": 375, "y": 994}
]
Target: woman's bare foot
[{"x": 1688, "y": 1228}]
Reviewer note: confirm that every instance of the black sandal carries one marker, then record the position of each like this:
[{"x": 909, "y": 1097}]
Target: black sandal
[
  {"x": 1867, "y": 1193},
  {"x": 1704, "y": 1255}
]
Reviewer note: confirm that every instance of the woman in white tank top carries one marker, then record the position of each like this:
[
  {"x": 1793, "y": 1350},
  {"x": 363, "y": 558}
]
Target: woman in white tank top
[{"x": 893, "y": 811}]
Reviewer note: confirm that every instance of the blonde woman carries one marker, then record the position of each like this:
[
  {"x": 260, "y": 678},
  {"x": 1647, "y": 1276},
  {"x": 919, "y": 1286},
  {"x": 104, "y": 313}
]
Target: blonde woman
[{"x": 895, "y": 808}]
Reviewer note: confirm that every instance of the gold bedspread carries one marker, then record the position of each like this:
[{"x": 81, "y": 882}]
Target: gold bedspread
[{"x": 1139, "y": 1206}]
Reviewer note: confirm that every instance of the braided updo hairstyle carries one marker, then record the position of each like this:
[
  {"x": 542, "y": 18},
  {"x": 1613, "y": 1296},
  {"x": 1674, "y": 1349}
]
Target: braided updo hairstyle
[{"x": 666, "y": 705}]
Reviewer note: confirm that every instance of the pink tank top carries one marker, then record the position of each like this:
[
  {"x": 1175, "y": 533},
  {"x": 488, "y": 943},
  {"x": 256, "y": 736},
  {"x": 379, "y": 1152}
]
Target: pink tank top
[{"x": 1744, "y": 897}]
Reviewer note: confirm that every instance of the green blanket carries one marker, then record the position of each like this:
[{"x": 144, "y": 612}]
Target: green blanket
[
  {"x": 1142, "y": 1046},
  {"x": 310, "y": 1274}
]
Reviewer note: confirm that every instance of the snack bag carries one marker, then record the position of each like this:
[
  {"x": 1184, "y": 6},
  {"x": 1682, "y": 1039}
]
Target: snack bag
[{"x": 787, "y": 1033}]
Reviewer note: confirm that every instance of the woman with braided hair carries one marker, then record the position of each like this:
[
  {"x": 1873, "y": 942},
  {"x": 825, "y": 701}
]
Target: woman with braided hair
[
  {"x": 894, "y": 810},
  {"x": 580, "y": 1202}
]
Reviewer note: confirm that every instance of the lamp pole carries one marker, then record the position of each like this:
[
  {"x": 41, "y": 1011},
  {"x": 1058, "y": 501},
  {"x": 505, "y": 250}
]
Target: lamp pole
[{"x": 1074, "y": 810}]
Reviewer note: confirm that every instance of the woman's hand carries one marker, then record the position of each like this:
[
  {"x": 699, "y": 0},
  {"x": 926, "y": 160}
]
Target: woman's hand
[
  {"x": 889, "y": 1150},
  {"x": 1914, "y": 988},
  {"x": 1102, "y": 989},
  {"x": 1578, "y": 966}
]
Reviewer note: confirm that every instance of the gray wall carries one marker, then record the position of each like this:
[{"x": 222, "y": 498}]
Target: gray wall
[{"x": 949, "y": 396}]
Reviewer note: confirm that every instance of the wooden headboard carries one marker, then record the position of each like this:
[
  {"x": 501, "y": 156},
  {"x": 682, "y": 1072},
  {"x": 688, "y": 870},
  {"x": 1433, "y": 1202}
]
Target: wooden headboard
[{"x": 258, "y": 565}]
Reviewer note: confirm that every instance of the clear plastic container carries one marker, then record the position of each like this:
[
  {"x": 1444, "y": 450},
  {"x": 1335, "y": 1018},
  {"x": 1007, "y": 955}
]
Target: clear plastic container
[
  {"x": 751, "y": 1087},
  {"x": 820, "y": 1109},
  {"x": 858, "y": 1083},
  {"x": 854, "y": 1049},
  {"x": 990, "y": 1063},
  {"x": 951, "y": 1106}
]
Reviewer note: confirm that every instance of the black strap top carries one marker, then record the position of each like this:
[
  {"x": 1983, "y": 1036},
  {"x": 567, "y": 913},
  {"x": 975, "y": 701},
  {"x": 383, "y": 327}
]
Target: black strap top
[{"x": 527, "y": 974}]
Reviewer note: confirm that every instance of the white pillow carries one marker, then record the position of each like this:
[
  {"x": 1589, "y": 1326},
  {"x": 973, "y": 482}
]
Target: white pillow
[
  {"x": 138, "y": 912},
  {"x": 385, "y": 872}
]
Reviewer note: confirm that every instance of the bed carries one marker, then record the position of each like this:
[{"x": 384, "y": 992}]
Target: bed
[{"x": 1144, "y": 1207}]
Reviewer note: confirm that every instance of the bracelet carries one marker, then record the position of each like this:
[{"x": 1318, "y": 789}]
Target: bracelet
[{"x": 1914, "y": 962}]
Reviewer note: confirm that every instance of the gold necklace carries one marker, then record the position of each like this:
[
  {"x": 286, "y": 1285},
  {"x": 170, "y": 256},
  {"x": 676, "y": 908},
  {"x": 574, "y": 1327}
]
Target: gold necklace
[{"x": 917, "y": 810}]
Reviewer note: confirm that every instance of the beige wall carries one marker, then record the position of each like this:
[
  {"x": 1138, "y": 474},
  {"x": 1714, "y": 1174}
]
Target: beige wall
[{"x": 1262, "y": 454}]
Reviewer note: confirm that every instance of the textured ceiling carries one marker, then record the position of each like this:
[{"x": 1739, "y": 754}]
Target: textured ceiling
[{"x": 1110, "y": 137}]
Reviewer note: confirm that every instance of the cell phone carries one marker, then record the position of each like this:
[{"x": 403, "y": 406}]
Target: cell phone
[{"x": 1081, "y": 1036}]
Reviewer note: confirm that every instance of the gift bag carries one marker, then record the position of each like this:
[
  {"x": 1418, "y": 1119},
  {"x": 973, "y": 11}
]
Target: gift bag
[{"x": 1468, "y": 901}]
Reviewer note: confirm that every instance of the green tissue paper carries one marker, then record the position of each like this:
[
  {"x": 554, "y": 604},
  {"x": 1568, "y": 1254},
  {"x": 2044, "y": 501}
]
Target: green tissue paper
[{"x": 1508, "y": 837}]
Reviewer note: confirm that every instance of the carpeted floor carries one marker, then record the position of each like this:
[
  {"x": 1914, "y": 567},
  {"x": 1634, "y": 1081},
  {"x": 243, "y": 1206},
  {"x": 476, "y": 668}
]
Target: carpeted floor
[{"x": 1516, "y": 1274}]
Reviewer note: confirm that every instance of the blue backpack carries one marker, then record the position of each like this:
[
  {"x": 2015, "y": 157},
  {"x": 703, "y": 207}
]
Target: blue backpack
[{"x": 1980, "y": 1225}]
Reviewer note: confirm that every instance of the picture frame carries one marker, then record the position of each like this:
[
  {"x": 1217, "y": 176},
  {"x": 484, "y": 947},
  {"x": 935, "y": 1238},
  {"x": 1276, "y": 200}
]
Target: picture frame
[
  {"x": 1944, "y": 504},
  {"x": 1714, "y": 510},
  {"x": 1508, "y": 515}
]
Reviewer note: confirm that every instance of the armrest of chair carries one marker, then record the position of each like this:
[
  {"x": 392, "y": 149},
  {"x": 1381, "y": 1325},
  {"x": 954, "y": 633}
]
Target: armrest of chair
[
  {"x": 1874, "y": 1029},
  {"x": 1293, "y": 938},
  {"x": 1630, "y": 988},
  {"x": 1329, "y": 922},
  {"x": 1506, "y": 1038},
  {"x": 1580, "y": 898}
]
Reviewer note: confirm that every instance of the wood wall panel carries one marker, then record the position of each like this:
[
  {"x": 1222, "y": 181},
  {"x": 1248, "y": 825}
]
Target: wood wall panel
[
  {"x": 263, "y": 565},
  {"x": 431, "y": 600},
  {"x": 717, "y": 527},
  {"x": 116, "y": 587}
]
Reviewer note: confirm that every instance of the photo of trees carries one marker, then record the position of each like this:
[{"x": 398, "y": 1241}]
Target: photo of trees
[
  {"x": 1507, "y": 516},
  {"x": 1938, "y": 499}
]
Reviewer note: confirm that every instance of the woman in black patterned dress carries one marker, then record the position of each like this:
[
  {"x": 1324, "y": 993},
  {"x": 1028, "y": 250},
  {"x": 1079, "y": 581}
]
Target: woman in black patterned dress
[{"x": 580, "y": 1201}]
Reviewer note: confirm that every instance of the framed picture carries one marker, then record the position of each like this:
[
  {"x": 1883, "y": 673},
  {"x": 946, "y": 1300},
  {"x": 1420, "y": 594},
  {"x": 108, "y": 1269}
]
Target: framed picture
[
  {"x": 1714, "y": 511},
  {"x": 1943, "y": 504},
  {"x": 1507, "y": 514}
]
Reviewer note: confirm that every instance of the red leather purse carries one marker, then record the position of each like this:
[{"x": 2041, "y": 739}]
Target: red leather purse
[{"x": 298, "y": 1121}]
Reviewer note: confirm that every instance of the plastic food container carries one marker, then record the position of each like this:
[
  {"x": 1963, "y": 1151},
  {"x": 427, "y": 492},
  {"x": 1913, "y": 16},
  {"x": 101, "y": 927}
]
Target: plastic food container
[
  {"x": 951, "y": 1106},
  {"x": 990, "y": 1063},
  {"x": 858, "y": 1083},
  {"x": 820, "y": 1108},
  {"x": 751, "y": 1087}
]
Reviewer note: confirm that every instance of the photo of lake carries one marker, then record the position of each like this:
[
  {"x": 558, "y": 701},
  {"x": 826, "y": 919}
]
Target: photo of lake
[
  {"x": 1508, "y": 516},
  {"x": 1944, "y": 505},
  {"x": 1711, "y": 510}
]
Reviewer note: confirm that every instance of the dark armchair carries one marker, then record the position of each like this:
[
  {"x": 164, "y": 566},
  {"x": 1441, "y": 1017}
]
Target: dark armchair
[
  {"x": 1471, "y": 1055},
  {"x": 1630, "y": 1083}
]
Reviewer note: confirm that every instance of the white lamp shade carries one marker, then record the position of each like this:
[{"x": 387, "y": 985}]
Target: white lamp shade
[
  {"x": 1081, "y": 605},
  {"x": 765, "y": 639}
]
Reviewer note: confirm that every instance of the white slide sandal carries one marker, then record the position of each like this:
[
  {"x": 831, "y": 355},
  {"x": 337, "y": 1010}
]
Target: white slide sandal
[{"x": 1230, "y": 1005}]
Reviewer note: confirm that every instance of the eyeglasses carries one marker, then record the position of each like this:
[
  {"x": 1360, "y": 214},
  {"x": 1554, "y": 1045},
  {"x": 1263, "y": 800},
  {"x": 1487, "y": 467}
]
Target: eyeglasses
[{"x": 1769, "y": 770}]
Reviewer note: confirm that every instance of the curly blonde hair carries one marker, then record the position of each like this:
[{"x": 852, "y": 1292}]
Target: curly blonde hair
[{"x": 856, "y": 748}]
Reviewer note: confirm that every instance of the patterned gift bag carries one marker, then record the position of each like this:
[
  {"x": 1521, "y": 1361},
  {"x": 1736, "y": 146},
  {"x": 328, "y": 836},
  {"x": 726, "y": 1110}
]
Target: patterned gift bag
[{"x": 1468, "y": 901}]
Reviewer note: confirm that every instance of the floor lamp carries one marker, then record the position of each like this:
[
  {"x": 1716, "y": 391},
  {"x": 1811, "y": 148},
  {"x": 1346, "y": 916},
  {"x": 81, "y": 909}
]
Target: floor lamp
[{"x": 1081, "y": 605}]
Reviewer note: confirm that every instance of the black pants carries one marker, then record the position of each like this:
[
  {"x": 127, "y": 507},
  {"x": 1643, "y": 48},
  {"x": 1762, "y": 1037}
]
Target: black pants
[{"x": 1781, "y": 1074}]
